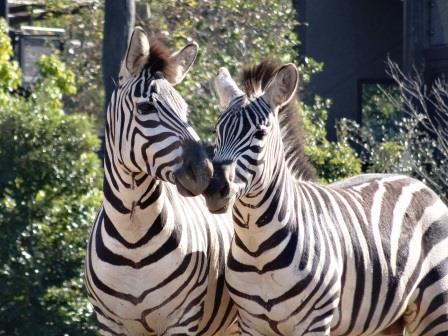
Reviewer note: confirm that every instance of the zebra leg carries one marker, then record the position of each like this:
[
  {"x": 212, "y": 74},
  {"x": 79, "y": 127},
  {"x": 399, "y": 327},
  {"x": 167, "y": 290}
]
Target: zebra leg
[
  {"x": 233, "y": 330},
  {"x": 427, "y": 314},
  {"x": 108, "y": 327},
  {"x": 320, "y": 326},
  {"x": 246, "y": 327},
  {"x": 395, "y": 329}
]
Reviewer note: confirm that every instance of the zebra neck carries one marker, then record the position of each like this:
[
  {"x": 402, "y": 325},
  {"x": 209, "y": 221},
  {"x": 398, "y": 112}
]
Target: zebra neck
[
  {"x": 272, "y": 209},
  {"x": 135, "y": 206}
]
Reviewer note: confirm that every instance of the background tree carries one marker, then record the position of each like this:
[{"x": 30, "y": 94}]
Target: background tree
[
  {"x": 235, "y": 34},
  {"x": 333, "y": 160},
  {"x": 49, "y": 192},
  {"x": 83, "y": 24}
]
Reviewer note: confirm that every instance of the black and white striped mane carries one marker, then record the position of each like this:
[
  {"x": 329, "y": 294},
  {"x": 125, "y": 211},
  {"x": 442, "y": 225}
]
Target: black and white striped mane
[{"x": 255, "y": 80}]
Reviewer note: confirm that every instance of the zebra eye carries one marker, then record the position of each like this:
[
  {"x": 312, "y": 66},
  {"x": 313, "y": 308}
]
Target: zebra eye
[{"x": 146, "y": 108}]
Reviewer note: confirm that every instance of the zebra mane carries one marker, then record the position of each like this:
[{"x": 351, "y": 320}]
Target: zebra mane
[
  {"x": 160, "y": 58},
  {"x": 255, "y": 79}
]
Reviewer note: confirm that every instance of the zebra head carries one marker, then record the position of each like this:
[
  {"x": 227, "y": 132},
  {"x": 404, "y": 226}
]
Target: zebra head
[
  {"x": 147, "y": 126},
  {"x": 248, "y": 141}
]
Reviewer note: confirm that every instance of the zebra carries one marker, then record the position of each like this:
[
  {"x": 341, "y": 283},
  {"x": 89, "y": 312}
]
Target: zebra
[
  {"x": 364, "y": 256},
  {"x": 155, "y": 259}
]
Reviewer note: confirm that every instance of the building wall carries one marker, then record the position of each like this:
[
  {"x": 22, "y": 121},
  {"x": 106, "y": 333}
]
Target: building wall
[
  {"x": 353, "y": 38},
  {"x": 436, "y": 52}
]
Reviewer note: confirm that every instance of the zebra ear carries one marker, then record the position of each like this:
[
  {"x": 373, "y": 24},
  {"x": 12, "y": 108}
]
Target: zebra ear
[
  {"x": 282, "y": 87},
  {"x": 226, "y": 88},
  {"x": 138, "y": 51},
  {"x": 183, "y": 60}
]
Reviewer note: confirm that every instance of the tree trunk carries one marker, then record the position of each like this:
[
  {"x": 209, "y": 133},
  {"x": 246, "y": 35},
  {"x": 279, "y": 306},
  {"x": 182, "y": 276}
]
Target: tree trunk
[{"x": 119, "y": 18}]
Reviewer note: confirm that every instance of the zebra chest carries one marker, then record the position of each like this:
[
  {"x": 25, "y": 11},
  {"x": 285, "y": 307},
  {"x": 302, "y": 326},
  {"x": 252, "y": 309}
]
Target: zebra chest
[
  {"x": 260, "y": 293},
  {"x": 147, "y": 287},
  {"x": 153, "y": 298},
  {"x": 275, "y": 290},
  {"x": 265, "y": 305}
]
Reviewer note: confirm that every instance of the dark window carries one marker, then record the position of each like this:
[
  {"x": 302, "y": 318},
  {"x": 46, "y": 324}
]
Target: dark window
[{"x": 378, "y": 107}]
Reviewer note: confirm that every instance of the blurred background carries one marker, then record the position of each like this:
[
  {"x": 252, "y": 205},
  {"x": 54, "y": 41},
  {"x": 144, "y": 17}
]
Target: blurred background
[{"x": 372, "y": 94}]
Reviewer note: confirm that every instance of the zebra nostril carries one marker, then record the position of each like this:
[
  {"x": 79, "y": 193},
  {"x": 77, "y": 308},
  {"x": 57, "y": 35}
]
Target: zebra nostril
[{"x": 225, "y": 190}]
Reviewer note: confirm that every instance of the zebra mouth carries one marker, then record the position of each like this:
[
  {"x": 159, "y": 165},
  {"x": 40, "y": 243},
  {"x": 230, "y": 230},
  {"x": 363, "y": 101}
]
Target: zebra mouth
[
  {"x": 182, "y": 189},
  {"x": 218, "y": 205},
  {"x": 220, "y": 210},
  {"x": 190, "y": 183}
]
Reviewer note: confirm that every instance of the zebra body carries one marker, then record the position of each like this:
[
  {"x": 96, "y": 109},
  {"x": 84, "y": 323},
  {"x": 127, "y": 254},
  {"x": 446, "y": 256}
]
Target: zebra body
[
  {"x": 333, "y": 262},
  {"x": 155, "y": 259},
  {"x": 365, "y": 256}
]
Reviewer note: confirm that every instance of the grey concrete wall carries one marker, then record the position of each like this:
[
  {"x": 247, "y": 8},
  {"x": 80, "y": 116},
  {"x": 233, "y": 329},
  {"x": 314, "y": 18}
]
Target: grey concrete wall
[{"x": 353, "y": 38}]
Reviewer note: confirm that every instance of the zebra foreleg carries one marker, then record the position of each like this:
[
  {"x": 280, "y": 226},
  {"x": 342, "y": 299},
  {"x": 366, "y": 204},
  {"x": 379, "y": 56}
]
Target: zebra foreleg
[
  {"x": 108, "y": 327},
  {"x": 233, "y": 330},
  {"x": 429, "y": 315},
  {"x": 395, "y": 329}
]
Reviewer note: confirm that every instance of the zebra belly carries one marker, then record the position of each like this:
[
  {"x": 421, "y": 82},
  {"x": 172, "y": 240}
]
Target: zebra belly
[
  {"x": 375, "y": 293},
  {"x": 270, "y": 301},
  {"x": 353, "y": 318}
]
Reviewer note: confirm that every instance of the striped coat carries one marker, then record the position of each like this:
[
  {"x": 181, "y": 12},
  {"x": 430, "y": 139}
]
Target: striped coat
[
  {"x": 155, "y": 259},
  {"x": 364, "y": 256}
]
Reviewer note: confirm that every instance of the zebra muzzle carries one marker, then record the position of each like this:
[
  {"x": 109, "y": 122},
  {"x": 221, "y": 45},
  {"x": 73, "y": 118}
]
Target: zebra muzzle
[
  {"x": 193, "y": 177},
  {"x": 218, "y": 194}
]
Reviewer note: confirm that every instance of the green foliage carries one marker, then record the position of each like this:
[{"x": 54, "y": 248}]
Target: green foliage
[
  {"x": 56, "y": 75},
  {"x": 82, "y": 51},
  {"x": 382, "y": 134},
  {"x": 235, "y": 34},
  {"x": 9, "y": 71},
  {"x": 333, "y": 160},
  {"x": 230, "y": 33},
  {"x": 49, "y": 192}
]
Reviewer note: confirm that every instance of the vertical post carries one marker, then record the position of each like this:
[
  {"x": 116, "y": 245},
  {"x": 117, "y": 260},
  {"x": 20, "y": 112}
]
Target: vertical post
[
  {"x": 4, "y": 10},
  {"x": 119, "y": 19}
]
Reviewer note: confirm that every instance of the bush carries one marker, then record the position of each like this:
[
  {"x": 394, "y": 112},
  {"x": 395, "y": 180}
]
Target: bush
[
  {"x": 333, "y": 160},
  {"x": 416, "y": 142},
  {"x": 83, "y": 24},
  {"x": 49, "y": 192}
]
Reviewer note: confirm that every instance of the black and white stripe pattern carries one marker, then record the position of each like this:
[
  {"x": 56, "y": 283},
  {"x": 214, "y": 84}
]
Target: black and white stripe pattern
[
  {"x": 155, "y": 260},
  {"x": 365, "y": 256}
]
